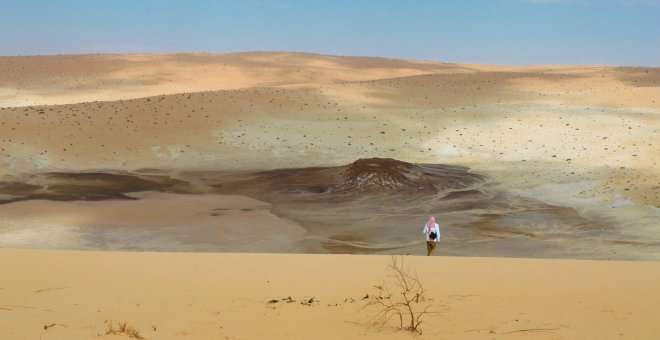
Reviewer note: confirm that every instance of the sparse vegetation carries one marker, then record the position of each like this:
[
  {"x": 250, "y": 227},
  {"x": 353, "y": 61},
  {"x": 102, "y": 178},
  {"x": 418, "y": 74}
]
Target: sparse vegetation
[
  {"x": 401, "y": 296},
  {"x": 122, "y": 328}
]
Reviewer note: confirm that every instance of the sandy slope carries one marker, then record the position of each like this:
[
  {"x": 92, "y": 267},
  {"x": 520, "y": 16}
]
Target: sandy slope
[
  {"x": 63, "y": 79},
  {"x": 202, "y": 296}
]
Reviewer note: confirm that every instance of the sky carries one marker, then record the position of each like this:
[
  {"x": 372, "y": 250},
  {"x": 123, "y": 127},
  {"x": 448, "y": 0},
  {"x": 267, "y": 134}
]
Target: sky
[{"x": 504, "y": 32}]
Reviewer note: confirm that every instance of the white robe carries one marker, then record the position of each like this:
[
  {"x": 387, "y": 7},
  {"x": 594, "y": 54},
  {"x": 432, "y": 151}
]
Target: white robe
[{"x": 437, "y": 233}]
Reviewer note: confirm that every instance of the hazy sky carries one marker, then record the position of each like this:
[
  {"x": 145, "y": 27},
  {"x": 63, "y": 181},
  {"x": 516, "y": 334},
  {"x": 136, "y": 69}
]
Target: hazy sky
[{"x": 509, "y": 32}]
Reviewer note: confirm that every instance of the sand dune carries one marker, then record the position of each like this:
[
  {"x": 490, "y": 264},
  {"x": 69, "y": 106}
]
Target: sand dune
[
  {"x": 201, "y": 296},
  {"x": 39, "y": 80}
]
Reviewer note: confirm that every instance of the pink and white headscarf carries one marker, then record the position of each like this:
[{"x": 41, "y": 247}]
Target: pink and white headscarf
[{"x": 430, "y": 225}]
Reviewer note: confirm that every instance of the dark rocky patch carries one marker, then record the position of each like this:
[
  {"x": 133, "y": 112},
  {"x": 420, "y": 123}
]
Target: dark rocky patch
[
  {"x": 87, "y": 186},
  {"x": 362, "y": 178},
  {"x": 17, "y": 188}
]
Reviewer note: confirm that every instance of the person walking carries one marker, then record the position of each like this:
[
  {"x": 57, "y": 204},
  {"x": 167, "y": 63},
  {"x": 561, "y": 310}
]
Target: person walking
[{"x": 432, "y": 232}]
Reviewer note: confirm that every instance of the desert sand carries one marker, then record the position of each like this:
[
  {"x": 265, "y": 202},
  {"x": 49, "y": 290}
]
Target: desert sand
[
  {"x": 591, "y": 126},
  {"x": 225, "y": 296},
  {"x": 564, "y": 150},
  {"x": 168, "y": 154}
]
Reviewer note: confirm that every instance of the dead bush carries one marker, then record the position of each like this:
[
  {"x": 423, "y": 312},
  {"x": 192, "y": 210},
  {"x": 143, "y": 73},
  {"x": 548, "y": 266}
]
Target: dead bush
[
  {"x": 122, "y": 328},
  {"x": 401, "y": 296}
]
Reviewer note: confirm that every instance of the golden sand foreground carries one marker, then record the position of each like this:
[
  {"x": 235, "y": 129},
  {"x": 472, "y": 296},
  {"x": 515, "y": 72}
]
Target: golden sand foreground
[{"x": 46, "y": 294}]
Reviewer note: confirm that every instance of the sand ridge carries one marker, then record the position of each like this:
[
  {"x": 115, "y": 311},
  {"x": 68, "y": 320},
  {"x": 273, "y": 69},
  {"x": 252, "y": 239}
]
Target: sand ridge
[{"x": 63, "y": 79}]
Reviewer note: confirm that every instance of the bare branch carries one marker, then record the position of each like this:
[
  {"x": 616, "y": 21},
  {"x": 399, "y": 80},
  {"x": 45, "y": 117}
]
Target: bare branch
[{"x": 405, "y": 302}]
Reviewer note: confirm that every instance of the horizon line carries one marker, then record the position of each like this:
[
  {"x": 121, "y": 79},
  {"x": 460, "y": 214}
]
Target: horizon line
[{"x": 323, "y": 55}]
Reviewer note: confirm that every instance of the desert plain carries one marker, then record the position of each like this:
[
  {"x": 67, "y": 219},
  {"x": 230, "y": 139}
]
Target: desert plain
[{"x": 115, "y": 168}]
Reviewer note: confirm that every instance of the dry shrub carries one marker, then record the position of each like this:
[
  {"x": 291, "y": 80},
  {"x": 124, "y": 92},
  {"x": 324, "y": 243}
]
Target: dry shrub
[
  {"x": 122, "y": 328},
  {"x": 400, "y": 296}
]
